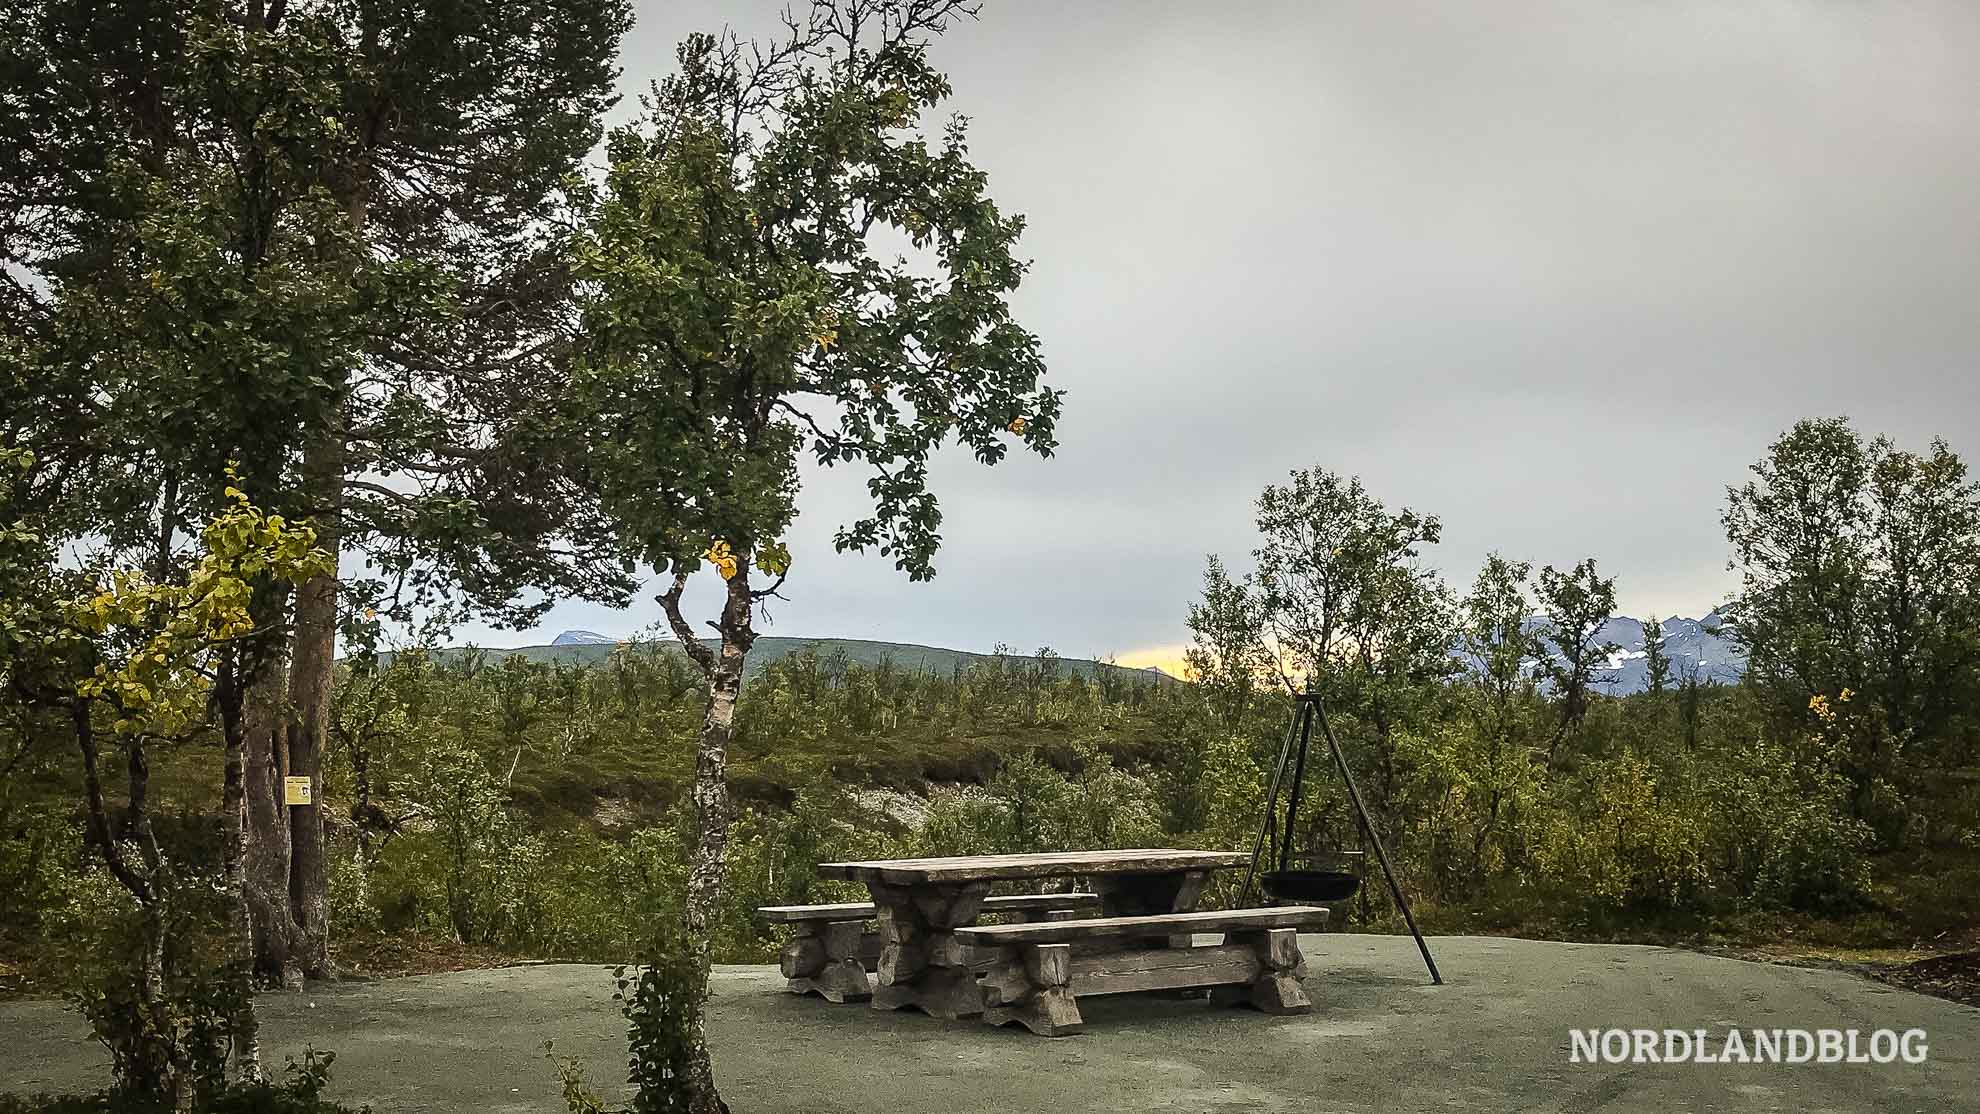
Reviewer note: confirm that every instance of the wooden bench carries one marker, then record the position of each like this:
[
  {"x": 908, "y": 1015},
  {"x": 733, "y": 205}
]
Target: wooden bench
[
  {"x": 833, "y": 951},
  {"x": 1036, "y": 976}
]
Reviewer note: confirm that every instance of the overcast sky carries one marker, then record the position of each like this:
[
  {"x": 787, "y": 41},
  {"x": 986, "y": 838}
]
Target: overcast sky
[{"x": 1556, "y": 272}]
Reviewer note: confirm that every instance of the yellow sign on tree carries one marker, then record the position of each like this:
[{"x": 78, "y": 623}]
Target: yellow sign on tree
[{"x": 295, "y": 791}]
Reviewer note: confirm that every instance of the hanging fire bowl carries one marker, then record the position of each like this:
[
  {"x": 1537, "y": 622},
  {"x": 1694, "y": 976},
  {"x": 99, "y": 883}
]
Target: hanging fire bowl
[{"x": 1310, "y": 885}]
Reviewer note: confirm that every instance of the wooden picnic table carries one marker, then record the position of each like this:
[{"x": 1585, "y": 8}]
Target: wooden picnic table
[{"x": 921, "y": 902}]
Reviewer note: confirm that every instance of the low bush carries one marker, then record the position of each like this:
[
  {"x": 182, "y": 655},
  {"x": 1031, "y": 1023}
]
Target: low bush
[{"x": 662, "y": 1002}]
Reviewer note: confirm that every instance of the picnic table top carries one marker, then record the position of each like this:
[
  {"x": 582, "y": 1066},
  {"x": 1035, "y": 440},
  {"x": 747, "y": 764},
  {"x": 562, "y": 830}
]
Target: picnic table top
[{"x": 999, "y": 868}]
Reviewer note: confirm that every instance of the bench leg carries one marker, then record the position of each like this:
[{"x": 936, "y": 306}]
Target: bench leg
[
  {"x": 1277, "y": 989},
  {"x": 803, "y": 956},
  {"x": 826, "y": 962},
  {"x": 1030, "y": 987}
]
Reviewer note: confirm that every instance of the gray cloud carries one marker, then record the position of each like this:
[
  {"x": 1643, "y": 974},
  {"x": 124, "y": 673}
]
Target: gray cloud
[{"x": 1556, "y": 272}]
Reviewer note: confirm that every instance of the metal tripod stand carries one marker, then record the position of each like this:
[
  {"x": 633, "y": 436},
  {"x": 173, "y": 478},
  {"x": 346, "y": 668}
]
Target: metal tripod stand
[{"x": 1307, "y": 709}]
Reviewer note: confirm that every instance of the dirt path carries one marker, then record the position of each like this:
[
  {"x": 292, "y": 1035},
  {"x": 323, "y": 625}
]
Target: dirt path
[{"x": 1495, "y": 1038}]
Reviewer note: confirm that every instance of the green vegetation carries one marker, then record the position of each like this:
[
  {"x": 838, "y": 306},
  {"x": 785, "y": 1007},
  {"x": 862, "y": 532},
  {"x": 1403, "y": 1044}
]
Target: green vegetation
[
  {"x": 348, "y": 258},
  {"x": 1521, "y": 798},
  {"x": 495, "y": 807},
  {"x": 319, "y": 320},
  {"x": 541, "y": 808},
  {"x": 770, "y": 648},
  {"x": 746, "y": 297}
]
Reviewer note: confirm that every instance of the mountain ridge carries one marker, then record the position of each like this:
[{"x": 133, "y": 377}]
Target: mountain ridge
[
  {"x": 1695, "y": 646},
  {"x": 773, "y": 648},
  {"x": 1705, "y": 646}
]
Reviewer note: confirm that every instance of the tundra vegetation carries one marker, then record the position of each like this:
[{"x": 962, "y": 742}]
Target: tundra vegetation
[
  {"x": 322, "y": 324},
  {"x": 490, "y": 806}
]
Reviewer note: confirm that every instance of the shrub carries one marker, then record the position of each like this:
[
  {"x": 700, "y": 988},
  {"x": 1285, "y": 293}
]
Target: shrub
[
  {"x": 1030, "y": 806},
  {"x": 351, "y": 904},
  {"x": 472, "y": 867},
  {"x": 1627, "y": 840},
  {"x": 602, "y": 897},
  {"x": 662, "y": 1001},
  {"x": 39, "y": 861},
  {"x": 1783, "y": 834}
]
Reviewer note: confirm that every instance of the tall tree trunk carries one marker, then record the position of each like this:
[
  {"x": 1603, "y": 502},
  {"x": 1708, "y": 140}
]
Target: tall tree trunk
[
  {"x": 723, "y": 669},
  {"x": 287, "y": 727},
  {"x": 312, "y": 668},
  {"x": 231, "y": 699},
  {"x": 265, "y": 873}
]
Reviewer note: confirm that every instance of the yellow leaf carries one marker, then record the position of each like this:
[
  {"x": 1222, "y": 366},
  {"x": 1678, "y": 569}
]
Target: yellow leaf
[{"x": 722, "y": 557}]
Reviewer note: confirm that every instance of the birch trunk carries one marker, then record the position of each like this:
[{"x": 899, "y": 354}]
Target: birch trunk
[{"x": 723, "y": 668}]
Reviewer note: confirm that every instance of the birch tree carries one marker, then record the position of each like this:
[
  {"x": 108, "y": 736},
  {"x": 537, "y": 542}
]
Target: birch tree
[{"x": 791, "y": 256}]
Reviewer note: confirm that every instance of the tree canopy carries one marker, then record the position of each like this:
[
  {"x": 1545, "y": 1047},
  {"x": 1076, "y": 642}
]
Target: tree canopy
[
  {"x": 781, "y": 263},
  {"x": 1859, "y": 602}
]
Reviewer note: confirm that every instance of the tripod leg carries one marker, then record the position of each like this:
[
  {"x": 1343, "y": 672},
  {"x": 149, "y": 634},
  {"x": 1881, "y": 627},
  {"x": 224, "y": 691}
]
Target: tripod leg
[
  {"x": 1271, "y": 809},
  {"x": 1375, "y": 840},
  {"x": 1298, "y": 783}
]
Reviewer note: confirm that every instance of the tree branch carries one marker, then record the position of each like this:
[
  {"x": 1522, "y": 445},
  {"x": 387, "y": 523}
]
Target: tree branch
[{"x": 670, "y": 602}]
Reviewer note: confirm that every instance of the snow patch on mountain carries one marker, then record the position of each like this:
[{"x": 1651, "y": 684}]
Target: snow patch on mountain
[{"x": 1704, "y": 648}]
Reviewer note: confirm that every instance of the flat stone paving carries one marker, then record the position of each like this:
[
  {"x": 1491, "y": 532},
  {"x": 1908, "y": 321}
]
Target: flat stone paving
[{"x": 1494, "y": 1038}]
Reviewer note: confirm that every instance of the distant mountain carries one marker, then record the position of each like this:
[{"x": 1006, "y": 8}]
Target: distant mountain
[
  {"x": 1704, "y": 645},
  {"x": 573, "y": 646}
]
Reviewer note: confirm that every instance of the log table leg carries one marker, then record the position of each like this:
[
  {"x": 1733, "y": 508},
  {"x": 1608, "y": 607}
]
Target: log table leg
[
  {"x": 921, "y": 964},
  {"x": 1141, "y": 895},
  {"x": 1277, "y": 988},
  {"x": 824, "y": 960}
]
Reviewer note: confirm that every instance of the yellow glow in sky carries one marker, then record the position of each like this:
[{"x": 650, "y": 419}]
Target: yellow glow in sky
[{"x": 1168, "y": 659}]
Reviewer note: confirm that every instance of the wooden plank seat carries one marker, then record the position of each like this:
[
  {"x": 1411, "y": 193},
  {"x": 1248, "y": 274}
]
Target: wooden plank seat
[
  {"x": 833, "y": 950},
  {"x": 865, "y": 910},
  {"x": 1035, "y": 974}
]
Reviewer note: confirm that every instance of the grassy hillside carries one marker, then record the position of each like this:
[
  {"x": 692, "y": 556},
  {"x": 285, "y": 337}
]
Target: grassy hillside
[{"x": 905, "y": 656}]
